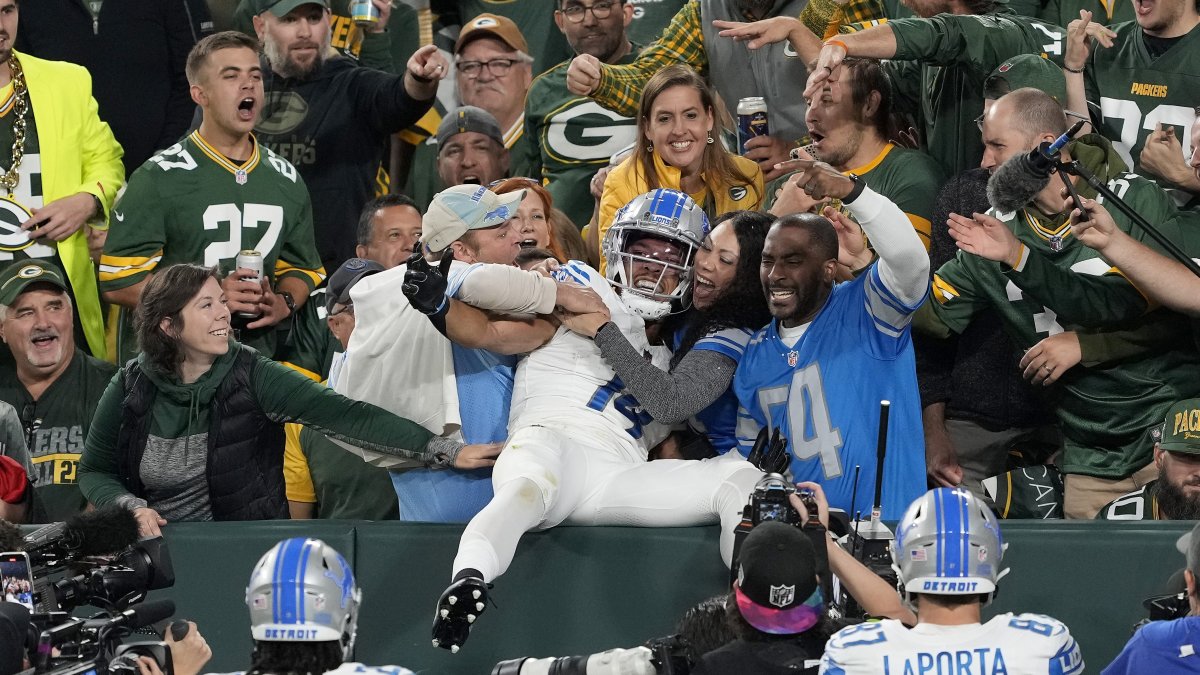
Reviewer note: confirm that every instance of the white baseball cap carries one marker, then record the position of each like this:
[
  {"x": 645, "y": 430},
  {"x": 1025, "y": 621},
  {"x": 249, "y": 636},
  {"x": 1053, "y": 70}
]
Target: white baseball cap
[{"x": 457, "y": 210}]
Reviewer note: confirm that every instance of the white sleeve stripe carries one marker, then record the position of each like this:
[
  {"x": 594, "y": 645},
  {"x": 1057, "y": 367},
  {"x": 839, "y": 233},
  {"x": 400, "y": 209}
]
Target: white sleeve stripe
[{"x": 1022, "y": 259}]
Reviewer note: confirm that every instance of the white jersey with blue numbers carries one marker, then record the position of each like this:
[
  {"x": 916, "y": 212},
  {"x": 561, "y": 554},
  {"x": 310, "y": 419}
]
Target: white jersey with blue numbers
[
  {"x": 567, "y": 381},
  {"x": 824, "y": 393},
  {"x": 1021, "y": 644}
]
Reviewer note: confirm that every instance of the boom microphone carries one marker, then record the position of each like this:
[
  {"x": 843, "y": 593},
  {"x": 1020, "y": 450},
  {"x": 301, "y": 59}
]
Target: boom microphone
[
  {"x": 1015, "y": 183},
  {"x": 138, "y": 616},
  {"x": 108, "y": 529}
]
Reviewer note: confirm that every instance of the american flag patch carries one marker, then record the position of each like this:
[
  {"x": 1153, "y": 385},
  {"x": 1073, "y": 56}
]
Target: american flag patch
[{"x": 917, "y": 555}]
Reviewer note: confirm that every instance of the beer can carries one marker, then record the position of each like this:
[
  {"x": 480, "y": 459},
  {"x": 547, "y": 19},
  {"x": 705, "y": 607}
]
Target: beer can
[
  {"x": 752, "y": 120},
  {"x": 364, "y": 13},
  {"x": 251, "y": 260}
]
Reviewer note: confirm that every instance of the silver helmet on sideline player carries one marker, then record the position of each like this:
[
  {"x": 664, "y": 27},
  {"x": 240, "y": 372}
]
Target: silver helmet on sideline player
[
  {"x": 667, "y": 215},
  {"x": 948, "y": 543},
  {"x": 303, "y": 590}
]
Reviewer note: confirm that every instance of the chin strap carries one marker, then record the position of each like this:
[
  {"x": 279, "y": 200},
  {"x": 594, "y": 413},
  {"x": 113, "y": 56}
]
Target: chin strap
[{"x": 649, "y": 310}]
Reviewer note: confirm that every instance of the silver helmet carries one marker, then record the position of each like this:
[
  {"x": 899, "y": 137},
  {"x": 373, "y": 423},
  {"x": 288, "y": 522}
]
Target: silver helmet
[
  {"x": 948, "y": 543},
  {"x": 303, "y": 590},
  {"x": 662, "y": 214}
]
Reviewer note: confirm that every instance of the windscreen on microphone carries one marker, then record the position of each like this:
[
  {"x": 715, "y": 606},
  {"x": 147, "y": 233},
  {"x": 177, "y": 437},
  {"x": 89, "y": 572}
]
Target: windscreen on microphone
[
  {"x": 1015, "y": 183},
  {"x": 108, "y": 529}
]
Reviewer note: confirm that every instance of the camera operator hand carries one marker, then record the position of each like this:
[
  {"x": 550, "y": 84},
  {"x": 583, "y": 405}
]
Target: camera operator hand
[
  {"x": 149, "y": 522},
  {"x": 189, "y": 653},
  {"x": 148, "y": 666}
]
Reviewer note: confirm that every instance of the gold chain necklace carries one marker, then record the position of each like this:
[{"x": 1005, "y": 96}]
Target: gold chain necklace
[{"x": 8, "y": 182}]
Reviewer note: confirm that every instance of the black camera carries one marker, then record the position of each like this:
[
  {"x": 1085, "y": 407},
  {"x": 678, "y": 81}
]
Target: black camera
[{"x": 769, "y": 501}]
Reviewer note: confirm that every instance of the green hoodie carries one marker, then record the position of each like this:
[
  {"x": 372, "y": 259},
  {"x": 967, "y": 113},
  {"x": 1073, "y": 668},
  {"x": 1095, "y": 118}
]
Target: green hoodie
[{"x": 173, "y": 470}]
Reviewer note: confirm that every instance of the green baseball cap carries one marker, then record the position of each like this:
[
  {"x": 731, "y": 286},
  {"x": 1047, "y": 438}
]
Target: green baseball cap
[
  {"x": 15, "y": 278},
  {"x": 1030, "y": 70},
  {"x": 281, "y": 8},
  {"x": 1181, "y": 430}
]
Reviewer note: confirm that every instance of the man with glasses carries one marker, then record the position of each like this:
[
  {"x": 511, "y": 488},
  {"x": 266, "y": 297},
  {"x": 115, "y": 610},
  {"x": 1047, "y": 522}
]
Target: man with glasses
[
  {"x": 53, "y": 385},
  {"x": 574, "y": 137},
  {"x": 330, "y": 118}
]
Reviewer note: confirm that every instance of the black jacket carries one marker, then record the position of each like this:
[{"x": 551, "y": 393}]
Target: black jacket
[
  {"x": 333, "y": 127},
  {"x": 136, "y": 53}
]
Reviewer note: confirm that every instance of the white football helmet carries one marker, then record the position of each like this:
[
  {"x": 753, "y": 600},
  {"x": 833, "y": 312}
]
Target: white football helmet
[
  {"x": 663, "y": 214},
  {"x": 303, "y": 590},
  {"x": 948, "y": 543}
]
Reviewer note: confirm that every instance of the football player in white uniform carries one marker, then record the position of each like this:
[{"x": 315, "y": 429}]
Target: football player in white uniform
[
  {"x": 947, "y": 553},
  {"x": 578, "y": 442}
]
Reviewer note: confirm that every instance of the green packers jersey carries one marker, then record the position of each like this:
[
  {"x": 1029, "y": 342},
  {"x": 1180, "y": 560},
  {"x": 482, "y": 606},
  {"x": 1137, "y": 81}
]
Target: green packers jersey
[
  {"x": 650, "y": 17},
  {"x": 190, "y": 204},
  {"x": 910, "y": 178},
  {"x": 347, "y": 488},
  {"x": 1141, "y": 504},
  {"x": 1107, "y": 411},
  {"x": 56, "y": 426},
  {"x": 938, "y": 72},
  {"x": 310, "y": 345},
  {"x": 1107, "y": 12},
  {"x": 535, "y": 18},
  {"x": 571, "y": 137},
  {"x": 1130, "y": 93}
]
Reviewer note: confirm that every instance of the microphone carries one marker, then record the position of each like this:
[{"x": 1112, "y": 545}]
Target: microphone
[
  {"x": 1016, "y": 182},
  {"x": 141, "y": 614},
  {"x": 108, "y": 529}
]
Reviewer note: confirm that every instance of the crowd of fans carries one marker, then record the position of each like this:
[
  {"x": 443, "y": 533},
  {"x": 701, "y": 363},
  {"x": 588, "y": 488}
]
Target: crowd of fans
[{"x": 211, "y": 311}]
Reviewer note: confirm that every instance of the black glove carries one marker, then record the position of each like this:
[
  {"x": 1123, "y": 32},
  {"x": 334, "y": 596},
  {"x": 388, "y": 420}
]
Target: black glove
[
  {"x": 424, "y": 284},
  {"x": 772, "y": 456}
]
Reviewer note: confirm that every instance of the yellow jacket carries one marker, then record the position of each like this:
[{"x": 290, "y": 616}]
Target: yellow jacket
[
  {"x": 79, "y": 154},
  {"x": 626, "y": 182}
]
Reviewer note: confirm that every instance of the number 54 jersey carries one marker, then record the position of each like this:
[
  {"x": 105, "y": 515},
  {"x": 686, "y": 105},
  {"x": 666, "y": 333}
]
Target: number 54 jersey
[
  {"x": 1021, "y": 644},
  {"x": 823, "y": 394},
  {"x": 190, "y": 204}
]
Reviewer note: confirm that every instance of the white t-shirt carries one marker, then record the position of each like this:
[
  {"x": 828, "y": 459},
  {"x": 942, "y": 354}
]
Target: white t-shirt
[{"x": 1022, "y": 644}]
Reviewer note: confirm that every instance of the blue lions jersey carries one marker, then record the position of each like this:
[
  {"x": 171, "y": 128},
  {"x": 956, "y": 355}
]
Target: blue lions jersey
[
  {"x": 719, "y": 420},
  {"x": 1161, "y": 647},
  {"x": 824, "y": 395}
]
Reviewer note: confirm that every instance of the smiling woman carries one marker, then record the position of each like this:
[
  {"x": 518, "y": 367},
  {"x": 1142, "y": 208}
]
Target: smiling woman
[
  {"x": 679, "y": 148},
  {"x": 193, "y": 428}
]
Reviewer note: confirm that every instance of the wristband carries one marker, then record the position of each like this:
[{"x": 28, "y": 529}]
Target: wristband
[
  {"x": 420, "y": 78},
  {"x": 855, "y": 191},
  {"x": 1072, "y": 70},
  {"x": 838, "y": 43}
]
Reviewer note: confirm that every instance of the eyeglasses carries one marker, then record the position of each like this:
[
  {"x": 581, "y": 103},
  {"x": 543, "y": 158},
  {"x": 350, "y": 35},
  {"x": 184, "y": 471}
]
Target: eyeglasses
[
  {"x": 497, "y": 67},
  {"x": 600, "y": 10}
]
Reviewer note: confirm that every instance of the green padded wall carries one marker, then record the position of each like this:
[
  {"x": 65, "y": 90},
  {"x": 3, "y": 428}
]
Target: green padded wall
[{"x": 576, "y": 590}]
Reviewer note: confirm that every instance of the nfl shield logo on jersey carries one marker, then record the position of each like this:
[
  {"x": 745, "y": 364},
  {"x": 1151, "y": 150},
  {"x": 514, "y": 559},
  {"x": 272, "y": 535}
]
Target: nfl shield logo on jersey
[
  {"x": 240, "y": 177},
  {"x": 793, "y": 357},
  {"x": 782, "y": 596}
]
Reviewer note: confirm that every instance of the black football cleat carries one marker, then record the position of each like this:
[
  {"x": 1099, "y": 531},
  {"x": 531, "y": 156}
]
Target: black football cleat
[{"x": 457, "y": 609}]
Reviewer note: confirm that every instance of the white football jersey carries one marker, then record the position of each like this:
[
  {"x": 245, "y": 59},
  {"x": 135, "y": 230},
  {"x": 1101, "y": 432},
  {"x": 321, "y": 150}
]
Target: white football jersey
[
  {"x": 567, "y": 381},
  {"x": 1021, "y": 644}
]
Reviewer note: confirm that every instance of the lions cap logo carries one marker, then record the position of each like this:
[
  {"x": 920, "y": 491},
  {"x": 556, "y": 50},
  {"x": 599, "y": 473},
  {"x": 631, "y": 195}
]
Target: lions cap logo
[
  {"x": 737, "y": 193},
  {"x": 782, "y": 596}
]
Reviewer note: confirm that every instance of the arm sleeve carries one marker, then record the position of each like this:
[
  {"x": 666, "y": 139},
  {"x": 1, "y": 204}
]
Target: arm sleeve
[
  {"x": 181, "y": 37},
  {"x": 506, "y": 289},
  {"x": 98, "y": 470},
  {"x": 1158, "y": 332},
  {"x": 382, "y": 101},
  {"x": 698, "y": 380},
  {"x": 903, "y": 262},
  {"x": 981, "y": 41},
  {"x": 682, "y": 41},
  {"x": 287, "y": 396},
  {"x": 376, "y": 51},
  {"x": 296, "y": 478},
  {"x": 103, "y": 173},
  {"x": 955, "y": 297},
  {"x": 135, "y": 241},
  {"x": 1080, "y": 299},
  {"x": 12, "y": 438},
  {"x": 298, "y": 251}
]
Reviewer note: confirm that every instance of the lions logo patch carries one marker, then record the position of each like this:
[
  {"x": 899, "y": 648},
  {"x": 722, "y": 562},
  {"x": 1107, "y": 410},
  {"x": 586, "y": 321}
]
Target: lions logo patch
[
  {"x": 737, "y": 193},
  {"x": 12, "y": 237},
  {"x": 782, "y": 596}
]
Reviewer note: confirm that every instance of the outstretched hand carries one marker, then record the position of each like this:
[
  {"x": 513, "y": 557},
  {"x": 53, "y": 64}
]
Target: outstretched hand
[
  {"x": 759, "y": 33},
  {"x": 986, "y": 237},
  {"x": 425, "y": 285},
  {"x": 770, "y": 453},
  {"x": 477, "y": 455}
]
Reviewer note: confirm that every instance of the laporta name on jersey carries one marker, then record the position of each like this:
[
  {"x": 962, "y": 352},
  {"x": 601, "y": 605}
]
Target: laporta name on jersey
[{"x": 977, "y": 661}]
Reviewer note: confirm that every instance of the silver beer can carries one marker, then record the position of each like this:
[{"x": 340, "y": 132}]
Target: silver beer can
[
  {"x": 251, "y": 260},
  {"x": 364, "y": 13},
  {"x": 752, "y": 120}
]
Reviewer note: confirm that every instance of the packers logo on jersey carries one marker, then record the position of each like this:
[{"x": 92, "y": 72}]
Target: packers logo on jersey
[
  {"x": 587, "y": 132},
  {"x": 737, "y": 193},
  {"x": 12, "y": 237},
  {"x": 284, "y": 112}
]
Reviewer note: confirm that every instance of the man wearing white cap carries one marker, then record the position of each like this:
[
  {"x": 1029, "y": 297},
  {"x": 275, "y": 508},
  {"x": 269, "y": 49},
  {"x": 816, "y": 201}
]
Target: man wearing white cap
[{"x": 398, "y": 361}]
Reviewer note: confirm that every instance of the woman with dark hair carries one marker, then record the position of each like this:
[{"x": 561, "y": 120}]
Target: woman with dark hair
[
  {"x": 193, "y": 428},
  {"x": 727, "y": 306},
  {"x": 680, "y": 148}
]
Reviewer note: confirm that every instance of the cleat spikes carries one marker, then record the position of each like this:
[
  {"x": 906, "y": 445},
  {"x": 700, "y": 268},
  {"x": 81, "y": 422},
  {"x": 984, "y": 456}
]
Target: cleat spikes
[
  {"x": 479, "y": 606},
  {"x": 445, "y": 613},
  {"x": 454, "y": 649},
  {"x": 476, "y": 594},
  {"x": 470, "y": 618},
  {"x": 436, "y": 643},
  {"x": 452, "y": 599},
  {"x": 453, "y": 619}
]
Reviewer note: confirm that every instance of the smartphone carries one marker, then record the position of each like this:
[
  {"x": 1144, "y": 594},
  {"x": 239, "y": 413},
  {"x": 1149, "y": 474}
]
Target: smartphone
[{"x": 16, "y": 578}]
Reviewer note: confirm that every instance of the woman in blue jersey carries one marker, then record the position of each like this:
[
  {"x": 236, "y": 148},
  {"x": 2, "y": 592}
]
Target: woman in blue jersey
[{"x": 726, "y": 307}]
